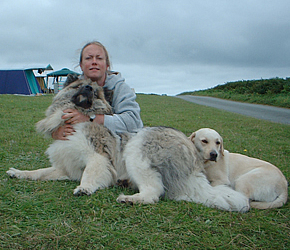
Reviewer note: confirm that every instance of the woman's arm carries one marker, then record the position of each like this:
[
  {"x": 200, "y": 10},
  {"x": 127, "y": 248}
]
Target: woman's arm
[{"x": 126, "y": 110}]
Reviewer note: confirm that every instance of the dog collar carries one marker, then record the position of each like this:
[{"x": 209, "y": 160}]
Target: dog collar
[{"x": 92, "y": 117}]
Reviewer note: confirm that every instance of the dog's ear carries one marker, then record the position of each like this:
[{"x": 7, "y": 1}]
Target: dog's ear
[
  {"x": 108, "y": 95},
  {"x": 192, "y": 136},
  {"x": 70, "y": 78},
  {"x": 222, "y": 147},
  {"x": 100, "y": 94}
]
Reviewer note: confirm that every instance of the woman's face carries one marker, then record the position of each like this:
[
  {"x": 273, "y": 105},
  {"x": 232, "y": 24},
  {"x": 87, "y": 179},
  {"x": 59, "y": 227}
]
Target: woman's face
[{"x": 93, "y": 64}]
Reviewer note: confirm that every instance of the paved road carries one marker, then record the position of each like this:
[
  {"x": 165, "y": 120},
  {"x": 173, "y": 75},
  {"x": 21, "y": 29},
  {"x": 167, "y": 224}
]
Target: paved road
[{"x": 270, "y": 113}]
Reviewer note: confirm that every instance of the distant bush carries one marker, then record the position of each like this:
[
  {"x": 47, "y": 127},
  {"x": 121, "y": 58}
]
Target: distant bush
[
  {"x": 262, "y": 86},
  {"x": 274, "y": 91}
]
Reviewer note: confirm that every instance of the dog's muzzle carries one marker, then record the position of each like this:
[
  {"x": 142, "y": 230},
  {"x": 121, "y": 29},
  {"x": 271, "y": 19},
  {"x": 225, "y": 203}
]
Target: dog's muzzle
[
  {"x": 213, "y": 156},
  {"x": 84, "y": 97}
]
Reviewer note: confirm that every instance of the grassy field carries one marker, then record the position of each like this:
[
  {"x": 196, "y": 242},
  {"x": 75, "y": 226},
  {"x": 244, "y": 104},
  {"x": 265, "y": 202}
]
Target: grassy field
[{"x": 46, "y": 215}]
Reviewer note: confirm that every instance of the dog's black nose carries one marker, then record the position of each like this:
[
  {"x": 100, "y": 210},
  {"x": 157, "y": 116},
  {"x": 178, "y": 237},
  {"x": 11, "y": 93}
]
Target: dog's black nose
[
  {"x": 213, "y": 155},
  {"x": 88, "y": 87}
]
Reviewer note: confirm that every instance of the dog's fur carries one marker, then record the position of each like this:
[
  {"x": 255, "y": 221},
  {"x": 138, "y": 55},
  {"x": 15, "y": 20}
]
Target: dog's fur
[
  {"x": 75, "y": 159},
  {"x": 263, "y": 183},
  {"x": 156, "y": 160},
  {"x": 83, "y": 95}
]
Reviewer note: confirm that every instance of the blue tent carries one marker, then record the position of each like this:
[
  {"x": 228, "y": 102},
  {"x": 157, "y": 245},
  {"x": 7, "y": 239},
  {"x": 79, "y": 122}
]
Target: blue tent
[{"x": 19, "y": 82}]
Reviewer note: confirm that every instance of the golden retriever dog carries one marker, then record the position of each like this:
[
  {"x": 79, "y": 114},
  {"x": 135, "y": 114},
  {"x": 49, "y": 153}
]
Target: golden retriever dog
[{"x": 263, "y": 183}]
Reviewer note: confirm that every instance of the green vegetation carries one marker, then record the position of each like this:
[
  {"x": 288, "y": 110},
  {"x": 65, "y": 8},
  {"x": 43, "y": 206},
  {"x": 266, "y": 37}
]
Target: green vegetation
[
  {"x": 46, "y": 215},
  {"x": 275, "y": 91}
]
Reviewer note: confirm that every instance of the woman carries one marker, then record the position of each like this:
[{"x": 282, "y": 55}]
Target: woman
[{"x": 95, "y": 64}]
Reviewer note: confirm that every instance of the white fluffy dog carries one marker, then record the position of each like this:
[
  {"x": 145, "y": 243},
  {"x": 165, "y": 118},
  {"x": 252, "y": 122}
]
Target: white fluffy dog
[{"x": 263, "y": 183}]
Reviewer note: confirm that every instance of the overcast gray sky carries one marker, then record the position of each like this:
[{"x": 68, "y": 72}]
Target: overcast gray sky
[{"x": 162, "y": 47}]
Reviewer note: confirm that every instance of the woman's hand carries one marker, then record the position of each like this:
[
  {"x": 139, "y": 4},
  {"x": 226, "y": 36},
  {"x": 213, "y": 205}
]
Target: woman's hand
[
  {"x": 62, "y": 132},
  {"x": 73, "y": 116}
]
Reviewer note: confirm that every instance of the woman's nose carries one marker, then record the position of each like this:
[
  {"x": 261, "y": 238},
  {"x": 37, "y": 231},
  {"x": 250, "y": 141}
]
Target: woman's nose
[{"x": 94, "y": 60}]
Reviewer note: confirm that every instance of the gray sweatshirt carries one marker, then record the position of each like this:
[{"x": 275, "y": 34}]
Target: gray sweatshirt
[{"x": 125, "y": 108}]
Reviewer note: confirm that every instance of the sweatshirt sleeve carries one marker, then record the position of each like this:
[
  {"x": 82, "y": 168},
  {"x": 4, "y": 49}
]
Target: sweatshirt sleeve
[{"x": 126, "y": 110}]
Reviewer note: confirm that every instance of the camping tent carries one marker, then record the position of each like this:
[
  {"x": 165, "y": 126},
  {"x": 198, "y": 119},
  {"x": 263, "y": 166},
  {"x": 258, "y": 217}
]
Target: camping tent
[
  {"x": 21, "y": 81},
  {"x": 60, "y": 73},
  {"x": 18, "y": 82}
]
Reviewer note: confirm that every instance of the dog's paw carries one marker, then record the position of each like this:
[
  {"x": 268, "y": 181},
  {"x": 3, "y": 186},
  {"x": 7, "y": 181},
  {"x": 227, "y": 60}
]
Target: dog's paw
[
  {"x": 124, "y": 199},
  {"x": 137, "y": 198},
  {"x": 13, "y": 173},
  {"x": 82, "y": 191}
]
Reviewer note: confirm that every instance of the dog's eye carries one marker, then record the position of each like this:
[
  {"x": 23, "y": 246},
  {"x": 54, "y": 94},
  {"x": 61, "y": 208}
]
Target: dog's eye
[
  {"x": 204, "y": 141},
  {"x": 218, "y": 143}
]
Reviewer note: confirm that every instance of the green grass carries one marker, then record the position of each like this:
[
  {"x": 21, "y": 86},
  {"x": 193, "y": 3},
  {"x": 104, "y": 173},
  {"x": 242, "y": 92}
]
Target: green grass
[{"x": 46, "y": 215}]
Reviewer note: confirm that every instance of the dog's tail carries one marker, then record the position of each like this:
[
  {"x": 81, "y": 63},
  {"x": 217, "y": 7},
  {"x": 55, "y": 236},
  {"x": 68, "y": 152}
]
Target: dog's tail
[{"x": 278, "y": 202}]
